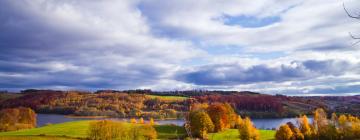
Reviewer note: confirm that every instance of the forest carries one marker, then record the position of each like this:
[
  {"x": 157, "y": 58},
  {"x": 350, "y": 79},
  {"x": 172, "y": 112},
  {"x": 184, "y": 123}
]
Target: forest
[{"x": 149, "y": 104}]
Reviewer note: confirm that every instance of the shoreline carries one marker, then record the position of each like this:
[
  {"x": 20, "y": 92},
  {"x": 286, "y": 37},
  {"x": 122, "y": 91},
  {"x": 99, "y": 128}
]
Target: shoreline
[{"x": 86, "y": 117}]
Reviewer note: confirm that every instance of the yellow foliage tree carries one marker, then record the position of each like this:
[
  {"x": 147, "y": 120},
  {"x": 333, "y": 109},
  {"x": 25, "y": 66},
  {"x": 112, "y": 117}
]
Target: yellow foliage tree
[
  {"x": 200, "y": 124},
  {"x": 305, "y": 127},
  {"x": 133, "y": 120},
  {"x": 239, "y": 122},
  {"x": 141, "y": 121},
  {"x": 113, "y": 130},
  {"x": 152, "y": 122},
  {"x": 247, "y": 130},
  {"x": 284, "y": 133}
]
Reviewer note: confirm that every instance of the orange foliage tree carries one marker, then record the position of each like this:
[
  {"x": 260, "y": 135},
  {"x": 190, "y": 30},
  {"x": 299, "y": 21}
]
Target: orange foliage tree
[{"x": 17, "y": 118}]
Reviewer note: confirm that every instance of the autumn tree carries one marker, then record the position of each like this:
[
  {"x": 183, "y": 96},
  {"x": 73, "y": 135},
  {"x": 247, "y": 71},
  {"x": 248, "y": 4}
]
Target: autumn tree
[
  {"x": 17, "y": 118},
  {"x": 141, "y": 120},
  {"x": 111, "y": 130},
  {"x": 200, "y": 124},
  {"x": 239, "y": 122},
  {"x": 297, "y": 135},
  {"x": 148, "y": 132},
  {"x": 284, "y": 133},
  {"x": 152, "y": 122},
  {"x": 133, "y": 120},
  {"x": 219, "y": 116},
  {"x": 232, "y": 116},
  {"x": 305, "y": 127},
  {"x": 102, "y": 130},
  {"x": 247, "y": 130}
]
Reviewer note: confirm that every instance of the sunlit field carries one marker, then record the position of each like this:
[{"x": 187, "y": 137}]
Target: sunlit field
[{"x": 78, "y": 129}]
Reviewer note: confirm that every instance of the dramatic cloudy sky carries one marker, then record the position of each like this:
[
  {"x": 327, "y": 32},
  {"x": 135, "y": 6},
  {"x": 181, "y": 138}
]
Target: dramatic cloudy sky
[{"x": 293, "y": 47}]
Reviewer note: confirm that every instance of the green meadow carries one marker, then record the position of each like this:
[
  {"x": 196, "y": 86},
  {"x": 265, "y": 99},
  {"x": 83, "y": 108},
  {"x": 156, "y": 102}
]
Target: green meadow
[
  {"x": 78, "y": 130},
  {"x": 233, "y": 134}
]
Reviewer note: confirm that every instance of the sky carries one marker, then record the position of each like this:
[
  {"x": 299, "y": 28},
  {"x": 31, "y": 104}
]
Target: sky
[{"x": 292, "y": 47}]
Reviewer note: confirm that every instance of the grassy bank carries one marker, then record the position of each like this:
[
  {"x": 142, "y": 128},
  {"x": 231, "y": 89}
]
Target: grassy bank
[{"x": 78, "y": 129}]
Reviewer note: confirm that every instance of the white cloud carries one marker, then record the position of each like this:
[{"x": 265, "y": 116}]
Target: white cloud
[{"x": 145, "y": 43}]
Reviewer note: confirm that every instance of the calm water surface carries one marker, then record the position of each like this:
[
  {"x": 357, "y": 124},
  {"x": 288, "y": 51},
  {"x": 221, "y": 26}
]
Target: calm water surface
[{"x": 43, "y": 119}]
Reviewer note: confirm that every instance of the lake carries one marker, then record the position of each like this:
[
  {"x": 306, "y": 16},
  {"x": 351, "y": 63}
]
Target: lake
[{"x": 43, "y": 119}]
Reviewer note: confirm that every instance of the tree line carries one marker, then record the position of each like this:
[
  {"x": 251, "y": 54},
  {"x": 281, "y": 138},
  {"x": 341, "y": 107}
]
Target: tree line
[
  {"x": 344, "y": 127},
  {"x": 100, "y": 104}
]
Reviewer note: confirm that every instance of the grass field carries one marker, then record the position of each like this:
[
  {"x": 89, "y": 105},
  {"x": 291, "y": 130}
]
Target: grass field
[
  {"x": 78, "y": 129},
  {"x": 170, "y": 98},
  {"x": 233, "y": 134},
  {"x": 34, "y": 138}
]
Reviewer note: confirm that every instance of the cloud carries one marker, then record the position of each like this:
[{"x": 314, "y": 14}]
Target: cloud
[
  {"x": 234, "y": 74},
  {"x": 78, "y": 44},
  {"x": 292, "y": 47}
]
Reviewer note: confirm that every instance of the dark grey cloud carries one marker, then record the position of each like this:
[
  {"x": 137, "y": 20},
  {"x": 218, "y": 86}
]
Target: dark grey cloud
[
  {"x": 236, "y": 74},
  {"x": 79, "y": 44}
]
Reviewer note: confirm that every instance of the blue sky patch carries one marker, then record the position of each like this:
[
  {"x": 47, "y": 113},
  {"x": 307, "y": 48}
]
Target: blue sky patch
[{"x": 250, "y": 21}]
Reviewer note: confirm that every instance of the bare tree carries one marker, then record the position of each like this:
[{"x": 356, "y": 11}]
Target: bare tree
[{"x": 354, "y": 16}]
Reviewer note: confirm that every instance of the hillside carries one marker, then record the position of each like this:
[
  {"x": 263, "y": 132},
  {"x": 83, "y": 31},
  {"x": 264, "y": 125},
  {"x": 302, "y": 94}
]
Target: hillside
[{"x": 173, "y": 104}]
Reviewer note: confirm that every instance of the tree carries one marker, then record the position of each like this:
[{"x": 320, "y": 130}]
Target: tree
[
  {"x": 219, "y": 116},
  {"x": 152, "y": 122},
  {"x": 133, "y": 120},
  {"x": 247, "y": 130},
  {"x": 141, "y": 120},
  {"x": 284, "y": 133},
  {"x": 110, "y": 130},
  {"x": 297, "y": 135},
  {"x": 239, "y": 122},
  {"x": 357, "y": 17},
  {"x": 148, "y": 132},
  {"x": 17, "y": 118},
  {"x": 102, "y": 130},
  {"x": 232, "y": 116},
  {"x": 200, "y": 124},
  {"x": 320, "y": 123},
  {"x": 305, "y": 127}
]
